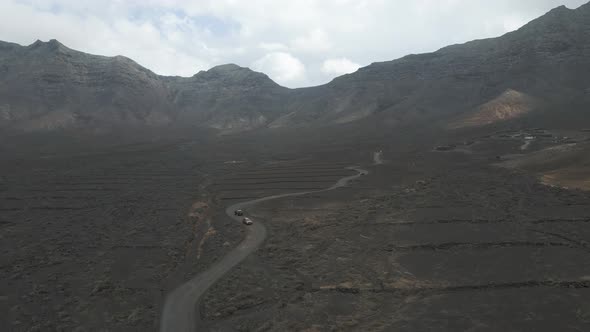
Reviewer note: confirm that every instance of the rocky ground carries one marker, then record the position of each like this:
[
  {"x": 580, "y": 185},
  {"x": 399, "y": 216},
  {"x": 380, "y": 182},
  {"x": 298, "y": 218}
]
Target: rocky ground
[
  {"x": 88, "y": 239},
  {"x": 428, "y": 241},
  {"x": 431, "y": 239},
  {"x": 94, "y": 238}
]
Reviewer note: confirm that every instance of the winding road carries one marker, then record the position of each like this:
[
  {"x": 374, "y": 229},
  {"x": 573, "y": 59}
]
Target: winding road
[{"x": 180, "y": 311}]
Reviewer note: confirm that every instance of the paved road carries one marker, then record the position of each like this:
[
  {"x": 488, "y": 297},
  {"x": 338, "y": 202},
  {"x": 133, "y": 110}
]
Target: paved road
[{"x": 180, "y": 309}]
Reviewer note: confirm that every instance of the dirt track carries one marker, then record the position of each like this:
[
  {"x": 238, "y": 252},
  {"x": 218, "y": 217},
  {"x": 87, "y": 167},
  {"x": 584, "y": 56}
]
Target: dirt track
[{"x": 179, "y": 313}]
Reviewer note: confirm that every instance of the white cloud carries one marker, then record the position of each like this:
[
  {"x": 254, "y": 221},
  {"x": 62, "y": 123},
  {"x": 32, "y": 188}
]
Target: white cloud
[
  {"x": 273, "y": 46},
  {"x": 142, "y": 41},
  {"x": 283, "y": 67},
  {"x": 181, "y": 37},
  {"x": 314, "y": 41},
  {"x": 339, "y": 66}
]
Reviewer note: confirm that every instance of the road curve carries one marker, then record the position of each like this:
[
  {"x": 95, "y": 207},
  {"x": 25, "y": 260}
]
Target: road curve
[{"x": 180, "y": 308}]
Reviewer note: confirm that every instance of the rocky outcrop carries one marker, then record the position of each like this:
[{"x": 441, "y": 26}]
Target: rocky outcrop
[{"x": 509, "y": 105}]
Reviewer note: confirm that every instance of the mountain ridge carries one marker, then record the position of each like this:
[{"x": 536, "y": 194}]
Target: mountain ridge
[{"x": 47, "y": 85}]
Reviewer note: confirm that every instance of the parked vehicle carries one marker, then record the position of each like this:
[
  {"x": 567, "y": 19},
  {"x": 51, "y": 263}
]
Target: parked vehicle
[
  {"x": 238, "y": 213},
  {"x": 247, "y": 221}
]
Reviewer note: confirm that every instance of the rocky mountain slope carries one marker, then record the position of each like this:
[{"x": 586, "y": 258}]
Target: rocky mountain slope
[
  {"x": 49, "y": 86},
  {"x": 227, "y": 97},
  {"x": 509, "y": 105},
  {"x": 543, "y": 60}
]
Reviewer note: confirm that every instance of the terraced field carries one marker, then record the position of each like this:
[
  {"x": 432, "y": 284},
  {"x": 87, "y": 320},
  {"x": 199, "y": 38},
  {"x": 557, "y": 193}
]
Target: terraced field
[
  {"x": 426, "y": 241},
  {"x": 270, "y": 180}
]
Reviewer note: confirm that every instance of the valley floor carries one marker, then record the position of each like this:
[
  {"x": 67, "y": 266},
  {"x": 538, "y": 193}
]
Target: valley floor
[
  {"x": 426, "y": 241},
  {"x": 430, "y": 239}
]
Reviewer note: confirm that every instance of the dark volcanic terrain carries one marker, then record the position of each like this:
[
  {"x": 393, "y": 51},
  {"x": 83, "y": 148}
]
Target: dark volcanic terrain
[
  {"x": 474, "y": 214},
  {"x": 428, "y": 240}
]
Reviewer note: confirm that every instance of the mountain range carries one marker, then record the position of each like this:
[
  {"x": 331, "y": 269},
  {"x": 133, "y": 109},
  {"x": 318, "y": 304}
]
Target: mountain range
[{"x": 541, "y": 67}]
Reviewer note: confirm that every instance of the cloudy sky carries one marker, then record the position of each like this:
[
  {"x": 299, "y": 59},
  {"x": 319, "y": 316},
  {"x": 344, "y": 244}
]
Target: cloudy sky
[{"x": 296, "y": 42}]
